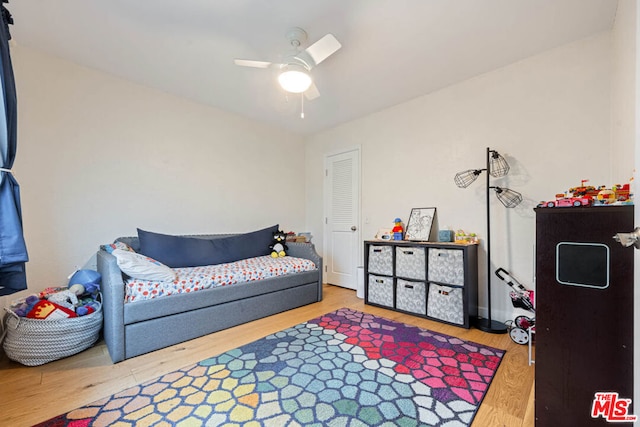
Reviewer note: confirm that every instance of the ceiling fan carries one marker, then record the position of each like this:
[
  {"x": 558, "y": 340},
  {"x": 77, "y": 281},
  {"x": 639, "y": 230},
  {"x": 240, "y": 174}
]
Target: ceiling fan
[{"x": 294, "y": 75}]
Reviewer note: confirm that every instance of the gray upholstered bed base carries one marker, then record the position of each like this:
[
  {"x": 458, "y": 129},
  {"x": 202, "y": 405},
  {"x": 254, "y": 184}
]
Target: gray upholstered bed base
[{"x": 139, "y": 327}]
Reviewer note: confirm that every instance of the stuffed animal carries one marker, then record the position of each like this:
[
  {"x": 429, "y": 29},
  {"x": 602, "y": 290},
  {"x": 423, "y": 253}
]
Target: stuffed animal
[
  {"x": 21, "y": 308},
  {"x": 50, "y": 310},
  {"x": 90, "y": 279},
  {"x": 65, "y": 299},
  {"x": 88, "y": 308},
  {"x": 278, "y": 246},
  {"x": 77, "y": 289}
]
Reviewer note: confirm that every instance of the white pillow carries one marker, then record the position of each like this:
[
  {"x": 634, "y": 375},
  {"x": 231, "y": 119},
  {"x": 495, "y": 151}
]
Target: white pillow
[{"x": 142, "y": 267}]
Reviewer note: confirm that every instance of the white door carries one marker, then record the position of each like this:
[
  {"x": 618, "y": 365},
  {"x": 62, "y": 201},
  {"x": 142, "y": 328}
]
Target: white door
[{"x": 342, "y": 218}]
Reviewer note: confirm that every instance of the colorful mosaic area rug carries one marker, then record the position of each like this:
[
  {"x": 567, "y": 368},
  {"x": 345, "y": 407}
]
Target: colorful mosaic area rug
[{"x": 345, "y": 368}]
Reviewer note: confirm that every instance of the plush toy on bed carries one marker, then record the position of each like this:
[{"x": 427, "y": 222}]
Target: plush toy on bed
[{"x": 278, "y": 246}]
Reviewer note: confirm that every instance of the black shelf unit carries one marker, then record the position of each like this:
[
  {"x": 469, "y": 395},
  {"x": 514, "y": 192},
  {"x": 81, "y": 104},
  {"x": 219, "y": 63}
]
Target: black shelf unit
[{"x": 436, "y": 281}]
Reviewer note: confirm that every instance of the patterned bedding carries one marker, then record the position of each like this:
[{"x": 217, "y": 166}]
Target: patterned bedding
[{"x": 192, "y": 279}]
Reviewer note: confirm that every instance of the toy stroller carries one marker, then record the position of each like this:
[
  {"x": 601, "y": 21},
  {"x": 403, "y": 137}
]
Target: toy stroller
[{"x": 521, "y": 297}]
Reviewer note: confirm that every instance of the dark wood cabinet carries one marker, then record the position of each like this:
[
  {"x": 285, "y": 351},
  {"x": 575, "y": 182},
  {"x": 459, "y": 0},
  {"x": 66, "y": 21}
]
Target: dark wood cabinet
[{"x": 584, "y": 312}]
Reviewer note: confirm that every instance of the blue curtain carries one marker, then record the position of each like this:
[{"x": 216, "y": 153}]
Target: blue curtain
[{"x": 13, "y": 250}]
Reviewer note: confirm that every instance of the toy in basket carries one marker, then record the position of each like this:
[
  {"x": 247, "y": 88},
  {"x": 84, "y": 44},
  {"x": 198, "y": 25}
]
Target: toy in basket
[
  {"x": 521, "y": 297},
  {"x": 56, "y": 323}
]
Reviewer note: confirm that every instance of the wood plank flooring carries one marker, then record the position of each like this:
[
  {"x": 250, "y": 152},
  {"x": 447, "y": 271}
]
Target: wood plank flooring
[{"x": 29, "y": 395}]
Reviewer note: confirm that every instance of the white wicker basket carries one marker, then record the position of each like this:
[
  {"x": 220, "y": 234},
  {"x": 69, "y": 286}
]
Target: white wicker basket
[{"x": 34, "y": 342}]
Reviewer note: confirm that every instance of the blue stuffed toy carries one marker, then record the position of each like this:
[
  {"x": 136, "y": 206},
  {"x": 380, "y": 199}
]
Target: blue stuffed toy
[
  {"x": 89, "y": 279},
  {"x": 278, "y": 247}
]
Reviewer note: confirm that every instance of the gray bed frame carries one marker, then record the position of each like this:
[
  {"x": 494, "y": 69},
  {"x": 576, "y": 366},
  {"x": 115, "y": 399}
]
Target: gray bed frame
[{"x": 140, "y": 327}]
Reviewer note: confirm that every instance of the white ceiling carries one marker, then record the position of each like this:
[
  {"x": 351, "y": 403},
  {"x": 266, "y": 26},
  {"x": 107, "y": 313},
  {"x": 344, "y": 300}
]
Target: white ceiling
[{"x": 392, "y": 50}]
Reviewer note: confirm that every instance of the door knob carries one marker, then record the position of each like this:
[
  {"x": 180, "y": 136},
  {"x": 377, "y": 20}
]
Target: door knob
[
  {"x": 353, "y": 228},
  {"x": 628, "y": 239}
]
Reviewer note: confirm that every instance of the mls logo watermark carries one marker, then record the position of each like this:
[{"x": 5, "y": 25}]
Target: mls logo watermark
[{"x": 612, "y": 408}]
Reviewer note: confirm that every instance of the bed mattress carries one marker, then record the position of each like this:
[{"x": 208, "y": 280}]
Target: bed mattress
[{"x": 192, "y": 279}]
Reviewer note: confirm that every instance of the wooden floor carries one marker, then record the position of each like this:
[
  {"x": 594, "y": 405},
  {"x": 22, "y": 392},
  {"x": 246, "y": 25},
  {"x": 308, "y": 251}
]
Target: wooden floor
[{"x": 29, "y": 395}]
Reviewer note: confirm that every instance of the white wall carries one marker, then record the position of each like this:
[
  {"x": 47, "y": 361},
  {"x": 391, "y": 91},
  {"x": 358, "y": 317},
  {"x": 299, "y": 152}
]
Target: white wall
[
  {"x": 99, "y": 156},
  {"x": 624, "y": 128},
  {"x": 549, "y": 115},
  {"x": 623, "y": 102}
]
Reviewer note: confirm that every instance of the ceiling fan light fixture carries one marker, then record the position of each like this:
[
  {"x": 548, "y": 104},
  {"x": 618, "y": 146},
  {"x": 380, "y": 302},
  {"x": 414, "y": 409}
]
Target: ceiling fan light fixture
[{"x": 294, "y": 78}]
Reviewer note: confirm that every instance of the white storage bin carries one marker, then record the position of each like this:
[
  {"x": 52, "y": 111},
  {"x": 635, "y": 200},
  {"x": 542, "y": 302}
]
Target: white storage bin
[
  {"x": 380, "y": 290},
  {"x": 446, "y": 266},
  {"x": 411, "y": 296},
  {"x": 410, "y": 263},
  {"x": 445, "y": 303},
  {"x": 381, "y": 259}
]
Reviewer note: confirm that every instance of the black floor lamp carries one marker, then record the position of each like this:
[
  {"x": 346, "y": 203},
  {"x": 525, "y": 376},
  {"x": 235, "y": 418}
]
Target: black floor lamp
[{"x": 497, "y": 167}]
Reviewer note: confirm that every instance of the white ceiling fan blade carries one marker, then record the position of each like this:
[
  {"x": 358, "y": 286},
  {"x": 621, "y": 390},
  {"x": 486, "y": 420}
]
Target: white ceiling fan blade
[
  {"x": 323, "y": 48},
  {"x": 251, "y": 63},
  {"x": 312, "y": 93}
]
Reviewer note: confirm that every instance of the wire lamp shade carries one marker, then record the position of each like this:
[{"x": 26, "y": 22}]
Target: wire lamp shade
[
  {"x": 496, "y": 166},
  {"x": 509, "y": 198},
  {"x": 466, "y": 178}
]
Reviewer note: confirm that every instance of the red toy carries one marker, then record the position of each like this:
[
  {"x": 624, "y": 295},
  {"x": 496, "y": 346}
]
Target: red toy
[
  {"x": 618, "y": 194},
  {"x": 49, "y": 310},
  {"x": 562, "y": 201},
  {"x": 584, "y": 195}
]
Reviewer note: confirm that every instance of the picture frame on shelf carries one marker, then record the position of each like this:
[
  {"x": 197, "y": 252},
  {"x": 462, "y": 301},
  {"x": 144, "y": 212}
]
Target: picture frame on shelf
[{"x": 420, "y": 224}]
